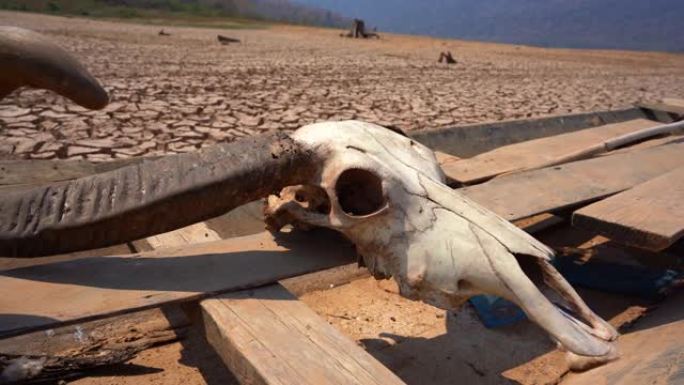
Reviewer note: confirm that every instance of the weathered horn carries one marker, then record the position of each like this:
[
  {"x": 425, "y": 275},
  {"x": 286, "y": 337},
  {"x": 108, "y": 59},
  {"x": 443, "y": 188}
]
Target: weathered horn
[
  {"x": 148, "y": 198},
  {"x": 29, "y": 59}
]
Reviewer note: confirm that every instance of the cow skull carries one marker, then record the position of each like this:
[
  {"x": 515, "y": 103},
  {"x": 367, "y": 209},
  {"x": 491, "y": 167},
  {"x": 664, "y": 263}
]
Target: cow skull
[{"x": 386, "y": 193}]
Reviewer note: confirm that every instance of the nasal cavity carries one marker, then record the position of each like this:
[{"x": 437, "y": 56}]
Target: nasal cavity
[{"x": 359, "y": 192}]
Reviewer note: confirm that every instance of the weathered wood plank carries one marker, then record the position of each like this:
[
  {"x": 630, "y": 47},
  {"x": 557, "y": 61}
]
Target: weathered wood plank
[
  {"x": 267, "y": 336},
  {"x": 443, "y": 158},
  {"x": 651, "y": 354},
  {"x": 649, "y": 216},
  {"x": 70, "y": 350},
  {"x": 31, "y": 172},
  {"x": 470, "y": 140},
  {"x": 49, "y": 295},
  {"x": 533, "y": 192},
  {"x": 647, "y": 144},
  {"x": 671, "y": 106},
  {"x": 536, "y": 152},
  {"x": 152, "y": 325},
  {"x": 196, "y": 233},
  {"x": 242, "y": 221}
]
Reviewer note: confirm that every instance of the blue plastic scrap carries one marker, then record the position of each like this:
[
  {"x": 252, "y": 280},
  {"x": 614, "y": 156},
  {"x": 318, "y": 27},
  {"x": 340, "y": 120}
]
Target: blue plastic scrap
[
  {"x": 644, "y": 282},
  {"x": 495, "y": 312}
]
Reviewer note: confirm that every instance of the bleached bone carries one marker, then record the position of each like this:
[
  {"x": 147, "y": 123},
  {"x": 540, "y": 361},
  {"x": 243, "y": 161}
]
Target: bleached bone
[{"x": 386, "y": 193}]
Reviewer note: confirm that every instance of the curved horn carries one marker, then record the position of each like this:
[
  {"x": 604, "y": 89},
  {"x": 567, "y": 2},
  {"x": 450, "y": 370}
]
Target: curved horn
[
  {"x": 148, "y": 198},
  {"x": 29, "y": 59}
]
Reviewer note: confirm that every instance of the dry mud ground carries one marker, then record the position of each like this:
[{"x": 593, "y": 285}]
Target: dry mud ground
[{"x": 179, "y": 93}]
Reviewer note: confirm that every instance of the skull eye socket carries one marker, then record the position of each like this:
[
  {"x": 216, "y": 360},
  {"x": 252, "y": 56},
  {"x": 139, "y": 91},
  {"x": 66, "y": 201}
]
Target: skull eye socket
[{"x": 359, "y": 192}]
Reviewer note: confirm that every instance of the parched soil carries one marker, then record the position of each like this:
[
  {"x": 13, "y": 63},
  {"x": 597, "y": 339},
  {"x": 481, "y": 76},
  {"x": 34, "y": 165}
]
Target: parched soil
[
  {"x": 181, "y": 92},
  {"x": 178, "y": 93}
]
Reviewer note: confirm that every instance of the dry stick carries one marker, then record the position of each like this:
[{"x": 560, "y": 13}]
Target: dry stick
[{"x": 607, "y": 145}]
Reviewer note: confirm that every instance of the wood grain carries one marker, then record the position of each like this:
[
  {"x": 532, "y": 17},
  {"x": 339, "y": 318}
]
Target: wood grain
[
  {"x": 651, "y": 354},
  {"x": 648, "y": 216},
  {"x": 267, "y": 336},
  {"x": 535, "y": 152},
  {"x": 671, "y": 106},
  {"x": 32, "y": 172},
  {"x": 528, "y": 193},
  {"x": 74, "y": 291}
]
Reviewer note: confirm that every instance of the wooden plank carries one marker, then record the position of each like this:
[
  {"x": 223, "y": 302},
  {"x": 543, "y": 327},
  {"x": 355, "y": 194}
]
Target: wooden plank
[
  {"x": 443, "y": 158},
  {"x": 674, "y": 102},
  {"x": 669, "y": 105},
  {"x": 650, "y": 354},
  {"x": 444, "y": 161},
  {"x": 648, "y": 216},
  {"x": 196, "y": 233},
  {"x": 529, "y": 193},
  {"x": 31, "y": 172},
  {"x": 267, "y": 336},
  {"x": 145, "y": 327},
  {"x": 536, "y": 152},
  {"x": 647, "y": 144},
  {"x": 470, "y": 140},
  {"x": 69, "y": 351},
  {"x": 49, "y": 295}
]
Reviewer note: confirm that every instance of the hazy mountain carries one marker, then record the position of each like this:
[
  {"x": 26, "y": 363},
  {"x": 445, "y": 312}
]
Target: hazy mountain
[
  {"x": 629, "y": 24},
  {"x": 277, "y": 10}
]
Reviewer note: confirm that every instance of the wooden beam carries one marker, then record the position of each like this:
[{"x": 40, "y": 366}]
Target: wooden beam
[
  {"x": 266, "y": 336},
  {"x": 671, "y": 106},
  {"x": 651, "y": 353},
  {"x": 470, "y": 140},
  {"x": 444, "y": 159},
  {"x": 528, "y": 193},
  {"x": 54, "y": 294},
  {"x": 648, "y": 216},
  {"x": 536, "y": 152},
  {"x": 75, "y": 348},
  {"x": 32, "y": 172},
  {"x": 195, "y": 233}
]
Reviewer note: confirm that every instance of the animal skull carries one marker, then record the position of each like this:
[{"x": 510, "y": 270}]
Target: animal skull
[
  {"x": 386, "y": 193},
  {"x": 382, "y": 190}
]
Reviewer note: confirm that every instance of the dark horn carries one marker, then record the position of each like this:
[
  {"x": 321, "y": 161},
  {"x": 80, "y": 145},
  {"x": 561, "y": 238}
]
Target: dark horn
[
  {"x": 29, "y": 59},
  {"x": 148, "y": 198}
]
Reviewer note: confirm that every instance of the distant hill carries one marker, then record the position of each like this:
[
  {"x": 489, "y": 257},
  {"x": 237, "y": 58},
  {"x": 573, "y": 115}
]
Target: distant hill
[
  {"x": 626, "y": 24},
  {"x": 274, "y": 10}
]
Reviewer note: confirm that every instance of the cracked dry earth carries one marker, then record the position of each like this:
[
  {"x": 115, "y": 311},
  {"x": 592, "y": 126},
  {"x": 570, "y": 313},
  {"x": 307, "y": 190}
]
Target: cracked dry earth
[{"x": 178, "y": 93}]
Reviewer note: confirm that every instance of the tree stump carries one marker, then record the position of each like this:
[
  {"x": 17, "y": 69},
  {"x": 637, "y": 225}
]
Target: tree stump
[
  {"x": 446, "y": 58},
  {"x": 225, "y": 40},
  {"x": 358, "y": 31}
]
